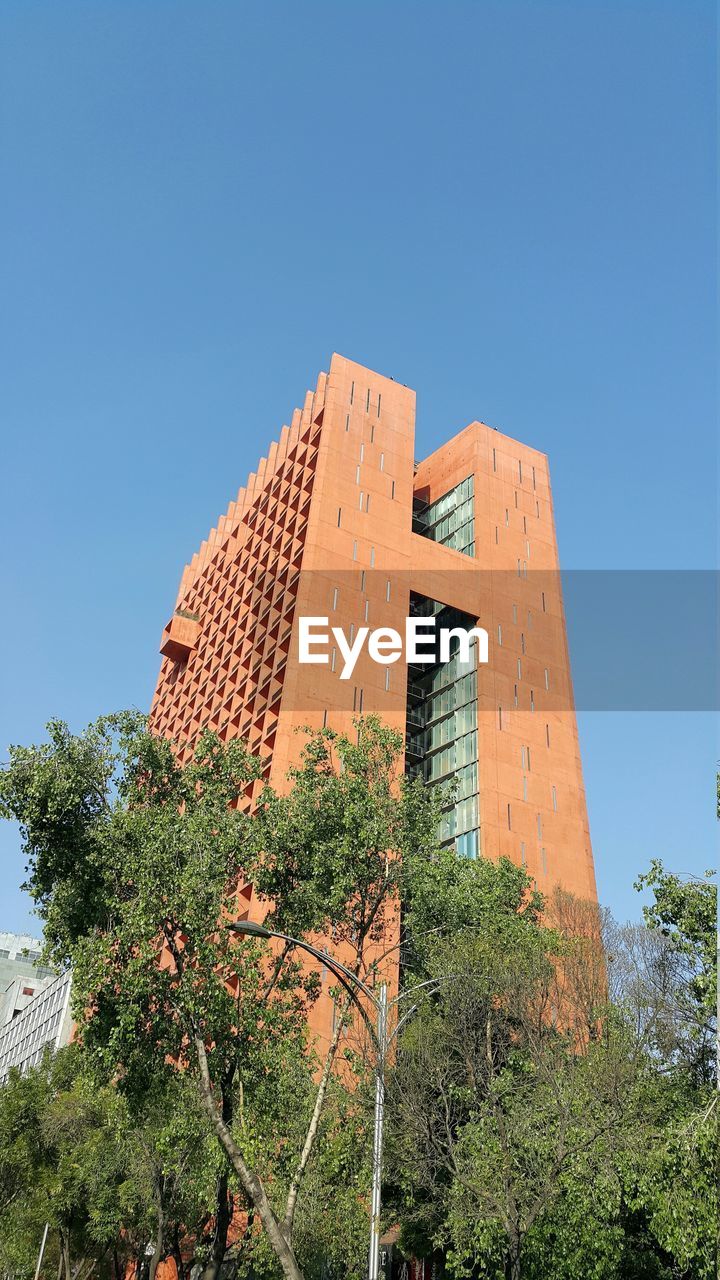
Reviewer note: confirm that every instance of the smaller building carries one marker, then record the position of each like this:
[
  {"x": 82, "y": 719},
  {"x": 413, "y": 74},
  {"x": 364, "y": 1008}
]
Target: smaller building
[
  {"x": 21, "y": 974},
  {"x": 43, "y": 1021}
]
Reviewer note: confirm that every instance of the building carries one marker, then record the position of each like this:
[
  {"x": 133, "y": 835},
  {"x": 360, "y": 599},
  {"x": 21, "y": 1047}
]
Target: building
[
  {"x": 42, "y": 1022},
  {"x": 21, "y": 974},
  {"x": 341, "y": 522}
]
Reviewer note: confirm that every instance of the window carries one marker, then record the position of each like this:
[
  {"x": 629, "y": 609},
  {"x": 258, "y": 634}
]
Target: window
[
  {"x": 352, "y": 392},
  {"x": 367, "y": 503},
  {"x": 360, "y": 702},
  {"x": 379, "y": 399},
  {"x": 544, "y": 861},
  {"x": 547, "y": 734},
  {"x": 554, "y": 799},
  {"x": 527, "y": 549},
  {"x": 367, "y": 401},
  {"x": 537, "y": 508},
  {"x": 499, "y": 717},
  {"x": 533, "y": 475},
  {"x": 525, "y": 789},
  {"x": 387, "y": 590},
  {"x": 372, "y": 433},
  {"x": 543, "y": 602},
  {"x": 392, "y": 489},
  {"x": 449, "y": 520},
  {"x": 516, "y": 501},
  {"x": 515, "y": 613},
  {"x": 367, "y": 609},
  {"x": 532, "y": 700},
  {"x": 523, "y": 757},
  {"x": 28, "y": 991},
  {"x": 494, "y": 461},
  {"x": 522, "y": 641},
  {"x": 516, "y": 696},
  {"x": 362, "y": 496},
  {"x": 335, "y": 597},
  {"x": 509, "y": 816},
  {"x": 325, "y": 718},
  {"x": 382, "y": 461},
  {"x": 352, "y": 632},
  {"x": 523, "y": 859},
  {"x": 524, "y": 524},
  {"x": 347, "y": 422},
  {"x": 354, "y": 550},
  {"x": 496, "y": 534},
  {"x": 362, "y": 580},
  {"x": 507, "y": 516},
  {"x": 539, "y": 826},
  {"x": 387, "y": 679},
  {"x": 547, "y": 679},
  {"x": 339, "y": 516},
  {"x": 333, "y": 657},
  {"x": 357, "y": 474},
  {"x": 499, "y": 634},
  {"x": 355, "y": 699},
  {"x": 519, "y": 669},
  {"x": 362, "y": 452},
  {"x": 372, "y": 557},
  {"x": 520, "y": 470}
]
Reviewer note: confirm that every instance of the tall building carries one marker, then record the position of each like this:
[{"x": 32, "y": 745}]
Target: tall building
[{"x": 341, "y": 522}]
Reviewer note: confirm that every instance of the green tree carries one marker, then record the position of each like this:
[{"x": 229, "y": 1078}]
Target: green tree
[
  {"x": 495, "y": 1110},
  {"x": 553, "y": 1114},
  {"x": 63, "y": 1161},
  {"x": 63, "y": 794},
  {"x": 683, "y": 915},
  {"x": 160, "y": 985}
]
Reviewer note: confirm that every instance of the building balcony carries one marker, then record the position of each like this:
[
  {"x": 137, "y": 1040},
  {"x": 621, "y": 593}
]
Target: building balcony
[{"x": 180, "y": 637}]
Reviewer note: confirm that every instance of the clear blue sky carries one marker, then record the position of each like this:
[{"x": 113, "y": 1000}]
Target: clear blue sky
[{"x": 508, "y": 206}]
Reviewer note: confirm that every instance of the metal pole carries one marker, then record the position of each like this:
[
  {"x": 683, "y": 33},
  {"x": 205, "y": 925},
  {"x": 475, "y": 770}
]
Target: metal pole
[
  {"x": 347, "y": 977},
  {"x": 376, "y": 1206},
  {"x": 42, "y": 1250}
]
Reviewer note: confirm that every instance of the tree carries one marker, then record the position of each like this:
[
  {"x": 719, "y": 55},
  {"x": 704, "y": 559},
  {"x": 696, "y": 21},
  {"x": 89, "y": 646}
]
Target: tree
[
  {"x": 63, "y": 793},
  {"x": 548, "y": 1116},
  {"x": 160, "y": 985},
  {"x": 63, "y": 1149},
  {"x": 682, "y": 920},
  {"x": 494, "y": 1107},
  {"x": 665, "y": 981}
]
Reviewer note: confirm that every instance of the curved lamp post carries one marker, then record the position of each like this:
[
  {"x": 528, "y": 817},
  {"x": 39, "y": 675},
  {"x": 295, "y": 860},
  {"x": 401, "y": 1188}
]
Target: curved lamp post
[{"x": 381, "y": 1040}]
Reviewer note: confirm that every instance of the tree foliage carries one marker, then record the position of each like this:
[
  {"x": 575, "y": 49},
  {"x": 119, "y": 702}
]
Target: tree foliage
[
  {"x": 551, "y": 1105},
  {"x": 162, "y": 989},
  {"x": 549, "y": 1117}
]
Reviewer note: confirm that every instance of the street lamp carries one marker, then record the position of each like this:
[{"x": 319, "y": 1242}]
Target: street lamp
[{"x": 381, "y": 1040}]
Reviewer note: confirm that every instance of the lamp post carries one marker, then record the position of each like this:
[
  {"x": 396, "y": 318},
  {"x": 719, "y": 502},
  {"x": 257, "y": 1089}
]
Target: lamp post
[{"x": 381, "y": 1040}]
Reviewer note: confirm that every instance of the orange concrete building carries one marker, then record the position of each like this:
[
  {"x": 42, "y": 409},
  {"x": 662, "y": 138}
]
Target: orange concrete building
[{"x": 341, "y": 522}]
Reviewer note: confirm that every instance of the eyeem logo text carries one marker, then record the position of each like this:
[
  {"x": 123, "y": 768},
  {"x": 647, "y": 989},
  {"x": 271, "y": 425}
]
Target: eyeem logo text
[{"x": 422, "y": 643}]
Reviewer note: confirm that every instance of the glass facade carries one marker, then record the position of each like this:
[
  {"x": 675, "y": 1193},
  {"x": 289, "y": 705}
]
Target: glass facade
[
  {"x": 441, "y": 729},
  {"x": 45, "y": 1021},
  {"x": 450, "y": 520}
]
